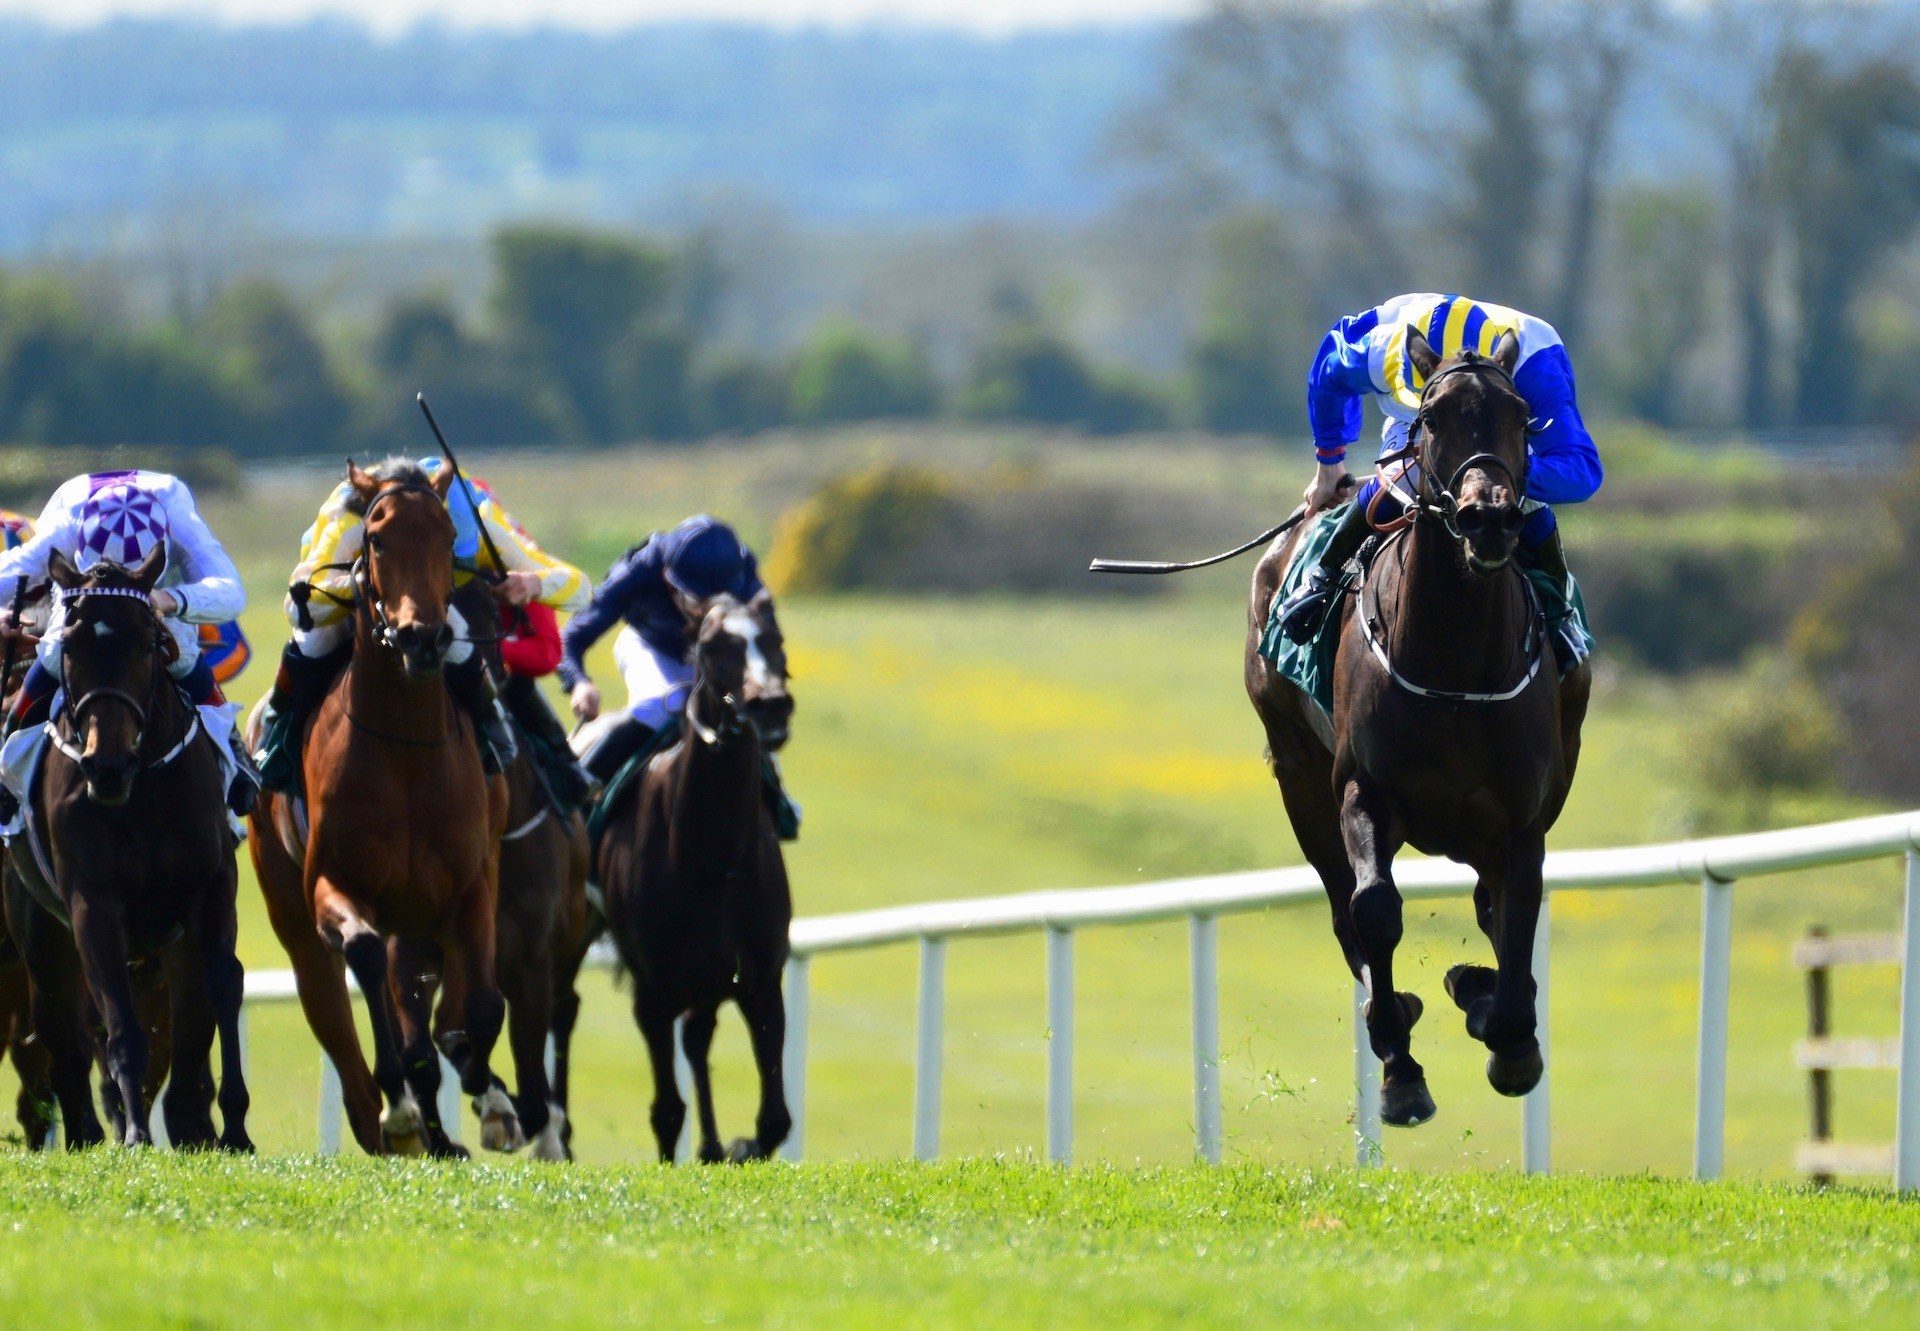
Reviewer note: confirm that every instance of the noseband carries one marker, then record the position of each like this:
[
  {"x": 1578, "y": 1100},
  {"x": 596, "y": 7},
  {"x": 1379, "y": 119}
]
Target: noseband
[{"x": 362, "y": 568}]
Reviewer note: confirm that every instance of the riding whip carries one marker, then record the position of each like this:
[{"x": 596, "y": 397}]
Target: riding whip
[
  {"x": 446, "y": 451},
  {"x": 1159, "y": 566},
  {"x": 19, "y": 608}
]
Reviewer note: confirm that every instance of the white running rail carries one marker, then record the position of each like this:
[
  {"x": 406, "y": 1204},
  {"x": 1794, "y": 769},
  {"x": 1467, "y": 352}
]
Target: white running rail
[{"x": 1714, "y": 865}]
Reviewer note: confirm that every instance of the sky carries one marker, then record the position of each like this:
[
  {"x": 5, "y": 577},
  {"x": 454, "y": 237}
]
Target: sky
[{"x": 397, "y": 15}]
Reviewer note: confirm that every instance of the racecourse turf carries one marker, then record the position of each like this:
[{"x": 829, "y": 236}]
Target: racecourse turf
[{"x": 123, "y": 1240}]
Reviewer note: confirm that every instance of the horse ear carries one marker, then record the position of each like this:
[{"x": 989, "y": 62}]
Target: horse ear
[
  {"x": 151, "y": 567},
  {"x": 1420, "y": 353},
  {"x": 362, "y": 482},
  {"x": 1506, "y": 352},
  {"x": 65, "y": 576},
  {"x": 443, "y": 482}
]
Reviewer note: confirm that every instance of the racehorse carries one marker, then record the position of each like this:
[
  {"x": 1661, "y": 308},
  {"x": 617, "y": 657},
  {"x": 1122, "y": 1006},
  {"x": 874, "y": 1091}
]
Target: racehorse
[
  {"x": 695, "y": 887},
  {"x": 542, "y": 908},
  {"x": 128, "y": 847},
  {"x": 401, "y": 831},
  {"x": 34, "y": 1104},
  {"x": 1449, "y": 732}
]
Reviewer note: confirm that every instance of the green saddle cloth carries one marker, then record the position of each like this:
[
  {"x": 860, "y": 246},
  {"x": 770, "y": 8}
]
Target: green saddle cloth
[{"x": 1309, "y": 665}]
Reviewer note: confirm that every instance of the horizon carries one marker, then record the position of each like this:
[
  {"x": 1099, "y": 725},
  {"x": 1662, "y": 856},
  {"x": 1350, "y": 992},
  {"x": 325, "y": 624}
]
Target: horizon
[{"x": 393, "y": 18}]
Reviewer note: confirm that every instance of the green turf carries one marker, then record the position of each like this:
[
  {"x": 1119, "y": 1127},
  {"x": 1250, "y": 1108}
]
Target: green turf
[
  {"x": 151, "y": 1240},
  {"x": 948, "y": 748}
]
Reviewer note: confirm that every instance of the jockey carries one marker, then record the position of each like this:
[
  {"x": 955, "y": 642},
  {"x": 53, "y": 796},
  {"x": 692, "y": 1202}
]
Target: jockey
[
  {"x": 323, "y": 627},
  {"x": 659, "y": 589},
  {"x": 122, "y": 516},
  {"x": 1365, "y": 356},
  {"x": 529, "y": 651}
]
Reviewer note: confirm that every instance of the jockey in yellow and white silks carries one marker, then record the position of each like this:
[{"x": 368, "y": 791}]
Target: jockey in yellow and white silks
[{"x": 322, "y": 638}]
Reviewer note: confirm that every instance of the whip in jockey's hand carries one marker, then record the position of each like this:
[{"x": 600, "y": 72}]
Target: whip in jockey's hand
[
  {"x": 518, "y": 587},
  {"x": 1330, "y": 484},
  {"x": 12, "y": 628},
  {"x": 584, "y": 698}
]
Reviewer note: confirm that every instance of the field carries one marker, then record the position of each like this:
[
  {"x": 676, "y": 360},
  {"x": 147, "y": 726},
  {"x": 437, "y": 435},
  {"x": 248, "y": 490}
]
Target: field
[
  {"x": 952, "y": 748},
  {"x": 968, "y": 1244}
]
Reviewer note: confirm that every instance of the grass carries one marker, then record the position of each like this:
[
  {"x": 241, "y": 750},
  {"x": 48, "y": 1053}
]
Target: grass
[
  {"x": 963, "y": 748},
  {"x": 300, "y": 1242}
]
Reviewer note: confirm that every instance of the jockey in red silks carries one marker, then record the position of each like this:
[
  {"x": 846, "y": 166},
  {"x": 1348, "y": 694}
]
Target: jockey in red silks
[
  {"x": 529, "y": 652},
  {"x": 1364, "y": 356},
  {"x": 122, "y": 517}
]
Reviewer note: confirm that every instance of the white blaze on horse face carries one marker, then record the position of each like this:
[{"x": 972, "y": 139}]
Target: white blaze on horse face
[{"x": 742, "y": 625}]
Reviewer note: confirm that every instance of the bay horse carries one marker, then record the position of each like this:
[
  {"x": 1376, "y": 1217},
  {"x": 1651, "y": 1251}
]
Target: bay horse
[
  {"x": 1449, "y": 730},
  {"x": 397, "y": 838},
  {"x": 541, "y": 912},
  {"x": 696, "y": 891},
  {"x": 128, "y": 855}
]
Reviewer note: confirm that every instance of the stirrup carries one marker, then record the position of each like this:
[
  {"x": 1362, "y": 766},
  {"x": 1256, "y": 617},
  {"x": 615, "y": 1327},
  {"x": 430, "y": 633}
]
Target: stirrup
[{"x": 1302, "y": 613}]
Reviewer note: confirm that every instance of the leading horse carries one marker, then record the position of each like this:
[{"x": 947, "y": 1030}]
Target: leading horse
[
  {"x": 1449, "y": 733},
  {"x": 401, "y": 833}
]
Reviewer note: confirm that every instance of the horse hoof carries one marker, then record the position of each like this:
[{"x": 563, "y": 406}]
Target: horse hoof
[
  {"x": 744, "y": 1149},
  {"x": 1515, "y": 1074},
  {"x": 1467, "y": 985},
  {"x": 448, "y": 1149},
  {"x": 550, "y": 1143},
  {"x": 1407, "y": 1105},
  {"x": 710, "y": 1153},
  {"x": 402, "y": 1130},
  {"x": 237, "y": 1144},
  {"x": 499, "y": 1125}
]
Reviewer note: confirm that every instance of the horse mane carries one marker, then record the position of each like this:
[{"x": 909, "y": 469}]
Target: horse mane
[{"x": 395, "y": 470}]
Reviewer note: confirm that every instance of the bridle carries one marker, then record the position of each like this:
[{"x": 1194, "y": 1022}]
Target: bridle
[
  {"x": 1443, "y": 501},
  {"x": 143, "y": 710},
  {"x": 361, "y": 570}
]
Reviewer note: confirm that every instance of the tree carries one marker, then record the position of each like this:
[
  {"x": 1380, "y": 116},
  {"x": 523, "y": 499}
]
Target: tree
[
  {"x": 1849, "y": 141},
  {"x": 846, "y": 374},
  {"x": 1027, "y": 373},
  {"x": 478, "y": 389},
  {"x": 1242, "y": 378},
  {"x": 268, "y": 347},
  {"x": 566, "y": 301},
  {"x": 1660, "y": 237}
]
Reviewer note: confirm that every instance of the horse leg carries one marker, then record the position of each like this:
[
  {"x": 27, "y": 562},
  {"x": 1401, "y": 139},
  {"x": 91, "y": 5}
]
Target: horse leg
[
  {"x": 59, "y": 1024},
  {"x": 35, "y": 1104},
  {"x": 485, "y": 1011},
  {"x": 322, "y": 987},
  {"x": 366, "y": 955},
  {"x": 765, "y": 1010},
  {"x": 414, "y": 967},
  {"x": 1367, "y": 828},
  {"x": 655, "y": 1014},
  {"x": 529, "y": 985},
  {"x": 100, "y": 936},
  {"x": 186, "y": 1105},
  {"x": 566, "y": 1015},
  {"x": 696, "y": 1037},
  {"x": 1514, "y": 1064}
]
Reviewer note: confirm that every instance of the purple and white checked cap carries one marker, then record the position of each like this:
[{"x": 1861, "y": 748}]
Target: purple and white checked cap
[{"x": 121, "y": 523}]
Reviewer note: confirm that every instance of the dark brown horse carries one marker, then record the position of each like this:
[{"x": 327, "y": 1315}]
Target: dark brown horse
[
  {"x": 1449, "y": 732},
  {"x": 131, "y": 857},
  {"x": 401, "y": 831},
  {"x": 543, "y": 880},
  {"x": 34, "y": 1106},
  {"x": 696, "y": 890}
]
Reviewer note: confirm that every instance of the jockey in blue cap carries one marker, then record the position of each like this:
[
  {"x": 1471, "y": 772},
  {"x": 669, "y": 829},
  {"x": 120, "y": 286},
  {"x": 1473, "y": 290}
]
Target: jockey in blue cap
[
  {"x": 659, "y": 588},
  {"x": 1364, "y": 356}
]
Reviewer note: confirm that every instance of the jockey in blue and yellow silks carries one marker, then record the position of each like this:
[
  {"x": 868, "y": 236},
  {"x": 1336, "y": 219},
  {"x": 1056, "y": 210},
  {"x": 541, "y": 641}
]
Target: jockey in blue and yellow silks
[
  {"x": 1364, "y": 355},
  {"x": 323, "y": 635}
]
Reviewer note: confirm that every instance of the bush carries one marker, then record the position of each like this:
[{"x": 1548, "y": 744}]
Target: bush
[
  {"x": 1026, "y": 373},
  {"x": 1759, "y": 735},
  {"x": 857, "y": 528},
  {"x": 741, "y": 395},
  {"x": 846, "y": 374}
]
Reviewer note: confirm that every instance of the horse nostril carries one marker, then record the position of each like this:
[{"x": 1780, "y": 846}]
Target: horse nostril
[
  {"x": 1512, "y": 519},
  {"x": 444, "y": 638}
]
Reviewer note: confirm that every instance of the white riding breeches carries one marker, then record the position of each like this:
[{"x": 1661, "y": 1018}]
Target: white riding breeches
[{"x": 657, "y": 684}]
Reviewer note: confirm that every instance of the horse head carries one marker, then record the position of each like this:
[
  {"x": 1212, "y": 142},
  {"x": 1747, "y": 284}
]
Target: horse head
[
  {"x": 407, "y": 566},
  {"x": 1471, "y": 437},
  {"x": 113, "y": 651},
  {"x": 742, "y": 657}
]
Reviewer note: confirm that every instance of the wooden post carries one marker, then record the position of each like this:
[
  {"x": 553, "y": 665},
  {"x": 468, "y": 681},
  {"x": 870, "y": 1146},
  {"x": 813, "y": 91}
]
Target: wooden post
[{"x": 1819, "y": 1079}]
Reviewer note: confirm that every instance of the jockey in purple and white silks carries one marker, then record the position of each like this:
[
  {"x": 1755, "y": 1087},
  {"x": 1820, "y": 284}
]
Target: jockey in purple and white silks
[
  {"x": 1364, "y": 356},
  {"x": 122, "y": 517}
]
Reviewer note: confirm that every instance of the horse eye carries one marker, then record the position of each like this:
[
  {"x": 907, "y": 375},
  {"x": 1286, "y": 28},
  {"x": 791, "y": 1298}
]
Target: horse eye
[{"x": 373, "y": 543}]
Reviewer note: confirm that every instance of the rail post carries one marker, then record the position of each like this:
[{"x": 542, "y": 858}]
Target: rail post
[
  {"x": 928, "y": 1050},
  {"x": 1366, "y": 1086},
  {"x": 330, "y": 1107},
  {"x": 1059, "y": 1045},
  {"x": 1536, "y": 1127},
  {"x": 449, "y": 1100},
  {"x": 1710, "y": 1092},
  {"x": 793, "y": 1059},
  {"x": 1906, "y": 1140},
  {"x": 1203, "y": 939}
]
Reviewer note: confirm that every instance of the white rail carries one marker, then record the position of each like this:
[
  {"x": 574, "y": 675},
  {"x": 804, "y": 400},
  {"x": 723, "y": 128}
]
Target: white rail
[{"x": 1715, "y": 865}]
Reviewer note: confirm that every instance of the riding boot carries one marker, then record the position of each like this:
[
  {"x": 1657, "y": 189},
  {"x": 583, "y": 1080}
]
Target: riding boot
[
  {"x": 1549, "y": 559},
  {"x": 30, "y": 707},
  {"x": 298, "y": 688},
  {"x": 615, "y": 747},
  {"x": 785, "y": 809},
  {"x": 471, "y": 684},
  {"x": 570, "y": 783},
  {"x": 1302, "y": 613}
]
